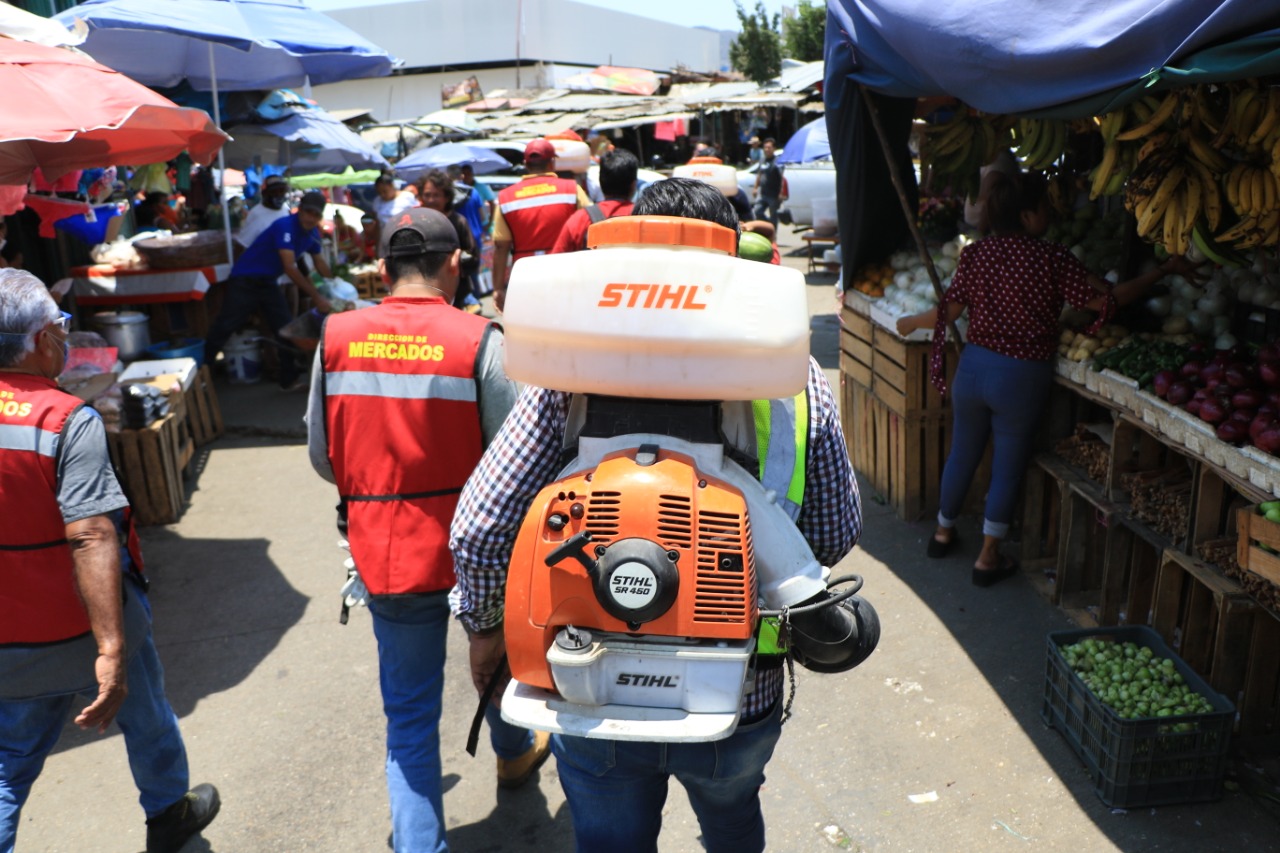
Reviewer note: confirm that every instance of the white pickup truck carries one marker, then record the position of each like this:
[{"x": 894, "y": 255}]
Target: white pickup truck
[{"x": 805, "y": 182}]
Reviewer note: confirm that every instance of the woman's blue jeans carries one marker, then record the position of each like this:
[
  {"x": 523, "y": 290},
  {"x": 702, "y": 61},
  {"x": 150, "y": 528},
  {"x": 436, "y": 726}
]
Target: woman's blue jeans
[
  {"x": 29, "y": 730},
  {"x": 999, "y": 397},
  {"x": 616, "y": 789},
  {"x": 411, "y": 633}
]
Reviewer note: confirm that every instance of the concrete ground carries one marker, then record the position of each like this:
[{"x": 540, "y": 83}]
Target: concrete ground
[{"x": 935, "y": 743}]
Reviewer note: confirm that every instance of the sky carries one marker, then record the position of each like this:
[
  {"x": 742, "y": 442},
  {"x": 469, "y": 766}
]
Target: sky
[{"x": 717, "y": 14}]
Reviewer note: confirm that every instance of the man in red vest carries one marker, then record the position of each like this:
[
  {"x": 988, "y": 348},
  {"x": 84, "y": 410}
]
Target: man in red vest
[
  {"x": 405, "y": 396},
  {"x": 531, "y": 213},
  {"x": 68, "y": 625}
]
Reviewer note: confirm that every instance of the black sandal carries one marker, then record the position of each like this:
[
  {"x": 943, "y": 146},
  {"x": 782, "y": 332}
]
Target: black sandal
[
  {"x": 938, "y": 549},
  {"x": 989, "y": 577}
]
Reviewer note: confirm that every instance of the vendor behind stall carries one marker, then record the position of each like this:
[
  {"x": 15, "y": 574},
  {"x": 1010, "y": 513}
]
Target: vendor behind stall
[{"x": 252, "y": 285}]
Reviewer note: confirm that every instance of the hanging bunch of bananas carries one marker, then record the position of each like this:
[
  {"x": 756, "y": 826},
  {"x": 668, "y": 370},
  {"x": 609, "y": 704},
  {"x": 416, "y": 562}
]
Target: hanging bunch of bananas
[
  {"x": 1040, "y": 142},
  {"x": 1168, "y": 191},
  {"x": 1252, "y": 193},
  {"x": 1252, "y": 121},
  {"x": 957, "y": 148}
]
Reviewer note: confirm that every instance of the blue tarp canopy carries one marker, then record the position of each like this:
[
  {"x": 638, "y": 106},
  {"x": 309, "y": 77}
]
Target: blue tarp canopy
[{"x": 1077, "y": 56}]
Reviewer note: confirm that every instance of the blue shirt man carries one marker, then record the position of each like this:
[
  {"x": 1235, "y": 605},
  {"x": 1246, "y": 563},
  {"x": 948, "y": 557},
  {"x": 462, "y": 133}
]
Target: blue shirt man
[{"x": 252, "y": 285}]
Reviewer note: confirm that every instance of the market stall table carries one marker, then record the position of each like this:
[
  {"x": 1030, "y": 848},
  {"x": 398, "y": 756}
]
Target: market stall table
[
  {"x": 822, "y": 241},
  {"x": 181, "y": 291},
  {"x": 104, "y": 285}
]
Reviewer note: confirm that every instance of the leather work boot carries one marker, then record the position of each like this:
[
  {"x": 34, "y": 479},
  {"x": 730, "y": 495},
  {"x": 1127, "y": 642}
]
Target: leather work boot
[
  {"x": 512, "y": 773},
  {"x": 172, "y": 828}
]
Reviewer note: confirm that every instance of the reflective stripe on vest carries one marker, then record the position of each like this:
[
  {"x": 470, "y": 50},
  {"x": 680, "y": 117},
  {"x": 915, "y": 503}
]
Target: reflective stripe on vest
[
  {"x": 38, "y": 599},
  {"x": 29, "y": 438},
  {"x": 539, "y": 201},
  {"x": 403, "y": 435},
  {"x": 782, "y": 446},
  {"x": 400, "y": 386}
]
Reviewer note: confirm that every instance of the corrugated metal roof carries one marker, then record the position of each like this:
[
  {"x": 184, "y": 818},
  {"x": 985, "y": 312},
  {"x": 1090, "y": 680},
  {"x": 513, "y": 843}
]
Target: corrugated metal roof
[
  {"x": 636, "y": 121},
  {"x": 801, "y": 77},
  {"x": 581, "y": 102}
]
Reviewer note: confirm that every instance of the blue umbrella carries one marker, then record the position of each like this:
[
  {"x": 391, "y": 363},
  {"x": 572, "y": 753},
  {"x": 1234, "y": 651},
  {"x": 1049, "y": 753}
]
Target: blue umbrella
[
  {"x": 235, "y": 45},
  {"x": 482, "y": 160},
  {"x": 308, "y": 141},
  {"x": 252, "y": 44},
  {"x": 808, "y": 143}
]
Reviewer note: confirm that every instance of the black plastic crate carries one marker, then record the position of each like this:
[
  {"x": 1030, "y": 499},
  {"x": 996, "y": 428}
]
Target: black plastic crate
[
  {"x": 1152, "y": 761},
  {"x": 1255, "y": 324}
]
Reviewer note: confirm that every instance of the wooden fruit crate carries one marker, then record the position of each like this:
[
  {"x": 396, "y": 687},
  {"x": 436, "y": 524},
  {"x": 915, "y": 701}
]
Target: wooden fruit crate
[
  {"x": 204, "y": 415},
  {"x": 902, "y": 457},
  {"x": 1260, "y": 697},
  {"x": 895, "y": 371},
  {"x": 149, "y": 463},
  {"x": 1206, "y": 617},
  {"x": 1254, "y": 532},
  {"x": 856, "y": 347}
]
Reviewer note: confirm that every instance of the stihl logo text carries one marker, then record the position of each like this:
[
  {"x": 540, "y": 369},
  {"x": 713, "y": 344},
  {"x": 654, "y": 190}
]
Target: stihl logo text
[
  {"x": 678, "y": 297},
  {"x": 633, "y": 679}
]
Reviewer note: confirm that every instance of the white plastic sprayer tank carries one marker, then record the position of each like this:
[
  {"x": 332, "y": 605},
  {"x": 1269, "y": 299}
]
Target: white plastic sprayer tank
[
  {"x": 661, "y": 309},
  {"x": 710, "y": 170},
  {"x": 572, "y": 155}
]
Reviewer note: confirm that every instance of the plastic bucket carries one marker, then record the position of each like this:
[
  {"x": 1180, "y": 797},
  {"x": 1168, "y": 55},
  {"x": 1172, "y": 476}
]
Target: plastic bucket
[
  {"x": 189, "y": 348},
  {"x": 825, "y": 220},
  {"x": 244, "y": 359}
]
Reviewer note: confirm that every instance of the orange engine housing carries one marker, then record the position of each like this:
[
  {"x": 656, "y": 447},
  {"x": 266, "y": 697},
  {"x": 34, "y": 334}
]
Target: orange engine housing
[{"x": 669, "y": 502}]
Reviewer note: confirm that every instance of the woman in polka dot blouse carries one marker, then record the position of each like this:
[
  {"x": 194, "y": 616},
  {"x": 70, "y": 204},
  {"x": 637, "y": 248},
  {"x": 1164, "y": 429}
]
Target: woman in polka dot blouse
[{"x": 1014, "y": 286}]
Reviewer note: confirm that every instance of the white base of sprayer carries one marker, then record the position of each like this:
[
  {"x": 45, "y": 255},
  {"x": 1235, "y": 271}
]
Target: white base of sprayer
[{"x": 534, "y": 708}]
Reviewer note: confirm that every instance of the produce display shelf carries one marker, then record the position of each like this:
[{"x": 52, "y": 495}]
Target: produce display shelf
[{"x": 1136, "y": 763}]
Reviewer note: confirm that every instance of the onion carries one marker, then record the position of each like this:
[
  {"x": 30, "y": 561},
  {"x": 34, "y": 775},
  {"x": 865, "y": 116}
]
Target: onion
[
  {"x": 1191, "y": 369},
  {"x": 1247, "y": 398},
  {"x": 1232, "y": 432},
  {"x": 1178, "y": 393},
  {"x": 1225, "y": 341},
  {"x": 1200, "y": 322},
  {"x": 1212, "y": 304},
  {"x": 1176, "y": 325},
  {"x": 1159, "y": 306},
  {"x": 1238, "y": 375},
  {"x": 1264, "y": 295},
  {"x": 1221, "y": 325},
  {"x": 1269, "y": 373},
  {"x": 1193, "y": 406},
  {"x": 1180, "y": 307},
  {"x": 1161, "y": 381},
  {"x": 1214, "y": 410},
  {"x": 1268, "y": 440}
]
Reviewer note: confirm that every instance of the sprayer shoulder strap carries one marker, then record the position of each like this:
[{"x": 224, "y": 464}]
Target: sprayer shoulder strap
[
  {"x": 782, "y": 447},
  {"x": 596, "y": 214}
]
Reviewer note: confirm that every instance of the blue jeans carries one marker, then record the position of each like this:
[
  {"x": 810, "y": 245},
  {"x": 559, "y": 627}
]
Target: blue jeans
[
  {"x": 616, "y": 789},
  {"x": 766, "y": 208},
  {"x": 1001, "y": 397},
  {"x": 411, "y": 633},
  {"x": 29, "y": 729}
]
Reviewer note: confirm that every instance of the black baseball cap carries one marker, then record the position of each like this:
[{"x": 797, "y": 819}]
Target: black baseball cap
[
  {"x": 313, "y": 201},
  {"x": 434, "y": 230},
  {"x": 274, "y": 182}
]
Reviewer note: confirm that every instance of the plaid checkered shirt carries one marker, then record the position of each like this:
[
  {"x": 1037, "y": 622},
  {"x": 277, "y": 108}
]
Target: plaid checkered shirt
[{"x": 525, "y": 457}]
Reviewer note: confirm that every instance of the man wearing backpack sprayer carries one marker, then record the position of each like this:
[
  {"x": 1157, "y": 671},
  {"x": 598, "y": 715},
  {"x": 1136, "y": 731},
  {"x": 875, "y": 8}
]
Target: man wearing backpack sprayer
[{"x": 618, "y": 182}]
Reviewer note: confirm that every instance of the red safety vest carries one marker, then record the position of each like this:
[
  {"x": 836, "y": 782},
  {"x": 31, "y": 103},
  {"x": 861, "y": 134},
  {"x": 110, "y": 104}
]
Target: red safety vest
[
  {"x": 403, "y": 426},
  {"x": 535, "y": 209},
  {"x": 38, "y": 598}
]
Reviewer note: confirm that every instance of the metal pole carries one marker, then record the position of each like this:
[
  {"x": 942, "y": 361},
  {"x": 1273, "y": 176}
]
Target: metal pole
[
  {"x": 222, "y": 162},
  {"x": 891, "y": 163}
]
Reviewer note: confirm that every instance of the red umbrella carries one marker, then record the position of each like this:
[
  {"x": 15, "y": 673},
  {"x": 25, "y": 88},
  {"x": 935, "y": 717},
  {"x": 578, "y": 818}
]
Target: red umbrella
[{"x": 60, "y": 110}]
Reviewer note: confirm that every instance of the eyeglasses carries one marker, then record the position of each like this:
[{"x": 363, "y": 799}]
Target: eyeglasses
[{"x": 63, "y": 322}]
